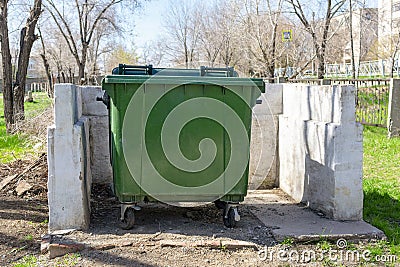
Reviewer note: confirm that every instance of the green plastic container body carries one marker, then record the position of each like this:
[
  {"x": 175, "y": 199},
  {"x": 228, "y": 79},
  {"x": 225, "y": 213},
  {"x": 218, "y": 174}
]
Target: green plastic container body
[{"x": 136, "y": 125}]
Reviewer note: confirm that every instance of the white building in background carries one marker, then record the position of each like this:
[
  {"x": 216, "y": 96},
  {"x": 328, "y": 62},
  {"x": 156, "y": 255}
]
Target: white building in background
[
  {"x": 365, "y": 33},
  {"x": 389, "y": 19}
]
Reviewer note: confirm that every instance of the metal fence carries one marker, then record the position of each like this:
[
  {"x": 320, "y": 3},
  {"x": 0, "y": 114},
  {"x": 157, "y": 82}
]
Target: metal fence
[
  {"x": 373, "y": 68},
  {"x": 372, "y": 98}
]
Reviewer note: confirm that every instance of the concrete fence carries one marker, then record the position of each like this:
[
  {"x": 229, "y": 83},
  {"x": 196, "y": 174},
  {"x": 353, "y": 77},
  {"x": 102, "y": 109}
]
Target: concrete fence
[
  {"x": 377, "y": 100},
  {"x": 77, "y": 154},
  {"x": 310, "y": 147},
  {"x": 320, "y": 149}
]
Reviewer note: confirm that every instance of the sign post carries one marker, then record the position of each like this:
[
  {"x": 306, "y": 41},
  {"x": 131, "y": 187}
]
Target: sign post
[{"x": 287, "y": 36}]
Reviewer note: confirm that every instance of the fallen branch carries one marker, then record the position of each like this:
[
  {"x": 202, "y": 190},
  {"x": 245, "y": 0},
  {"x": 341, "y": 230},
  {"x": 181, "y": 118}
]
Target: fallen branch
[{"x": 18, "y": 176}]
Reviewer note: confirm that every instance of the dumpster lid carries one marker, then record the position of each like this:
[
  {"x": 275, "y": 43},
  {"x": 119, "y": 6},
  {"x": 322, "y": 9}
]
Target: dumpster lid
[
  {"x": 177, "y": 80},
  {"x": 124, "y": 69}
]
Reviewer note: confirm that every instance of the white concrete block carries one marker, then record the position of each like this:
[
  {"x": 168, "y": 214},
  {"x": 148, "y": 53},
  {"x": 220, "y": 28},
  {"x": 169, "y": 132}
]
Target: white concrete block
[
  {"x": 320, "y": 149},
  {"x": 348, "y": 194},
  {"x": 263, "y": 148},
  {"x": 78, "y": 102},
  {"x": 347, "y": 104},
  {"x": 323, "y": 103},
  {"x": 65, "y": 111},
  {"x": 292, "y": 157},
  {"x": 69, "y": 176},
  {"x": 320, "y": 103},
  {"x": 90, "y": 106},
  {"x": 348, "y": 174},
  {"x": 273, "y": 98},
  {"x": 99, "y": 149},
  {"x": 320, "y": 184},
  {"x": 67, "y": 188},
  {"x": 82, "y": 128},
  {"x": 295, "y": 101}
]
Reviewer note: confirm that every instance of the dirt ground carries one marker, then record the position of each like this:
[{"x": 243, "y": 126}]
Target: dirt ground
[
  {"x": 24, "y": 220},
  {"x": 162, "y": 236}
]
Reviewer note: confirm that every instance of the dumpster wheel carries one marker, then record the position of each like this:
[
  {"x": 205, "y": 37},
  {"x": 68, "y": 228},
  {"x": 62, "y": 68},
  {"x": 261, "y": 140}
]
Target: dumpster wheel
[
  {"x": 231, "y": 216},
  {"x": 128, "y": 219}
]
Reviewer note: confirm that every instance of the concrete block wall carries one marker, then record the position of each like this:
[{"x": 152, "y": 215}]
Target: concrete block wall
[
  {"x": 304, "y": 139},
  {"x": 69, "y": 176},
  {"x": 97, "y": 114},
  {"x": 77, "y": 155},
  {"x": 264, "y": 161},
  {"x": 320, "y": 149}
]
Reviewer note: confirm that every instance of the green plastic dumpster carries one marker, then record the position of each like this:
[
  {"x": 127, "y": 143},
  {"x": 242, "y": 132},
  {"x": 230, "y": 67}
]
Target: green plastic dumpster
[{"x": 179, "y": 135}]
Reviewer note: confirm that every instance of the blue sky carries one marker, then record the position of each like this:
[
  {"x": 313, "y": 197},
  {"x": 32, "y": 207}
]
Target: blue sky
[{"x": 148, "y": 23}]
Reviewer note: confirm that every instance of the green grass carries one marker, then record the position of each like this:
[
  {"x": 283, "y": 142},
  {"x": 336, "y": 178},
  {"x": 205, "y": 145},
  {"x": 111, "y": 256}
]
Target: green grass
[
  {"x": 382, "y": 184},
  {"x": 28, "y": 238},
  {"x": 19, "y": 145},
  {"x": 27, "y": 261},
  {"x": 372, "y": 98},
  {"x": 287, "y": 241}
]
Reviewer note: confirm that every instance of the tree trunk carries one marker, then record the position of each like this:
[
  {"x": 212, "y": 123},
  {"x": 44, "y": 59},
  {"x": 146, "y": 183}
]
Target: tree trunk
[
  {"x": 321, "y": 67},
  {"x": 19, "y": 85},
  {"x": 271, "y": 65},
  {"x": 321, "y": 59},
  {"x": 8, "y": 97},
  {"x": 28, "y": 37},
  {"x": 82, "y": 63},
  {"x": 322, "y": 50},
  {"x": 353, "y": 63},
  {"x": 186, "y": 55},
  {"x": 392, "y": 60},
  {"x": 81, "y": 72},
  {"x": 46, "y": 65}
]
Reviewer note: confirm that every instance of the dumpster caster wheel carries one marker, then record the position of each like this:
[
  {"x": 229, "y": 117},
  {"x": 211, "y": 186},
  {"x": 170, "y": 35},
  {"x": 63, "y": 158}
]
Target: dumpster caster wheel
[
  {"x": 231, "y": 216},
  {"x": 128, "y": 220},
  {"x": 219, "y": 204}
]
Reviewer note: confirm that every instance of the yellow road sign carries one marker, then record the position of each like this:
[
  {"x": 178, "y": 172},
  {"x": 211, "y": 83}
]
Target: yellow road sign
[{"x": 287, "y": 35}]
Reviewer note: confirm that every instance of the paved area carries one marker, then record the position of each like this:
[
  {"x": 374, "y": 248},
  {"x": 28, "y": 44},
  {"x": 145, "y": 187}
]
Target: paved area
[{"x": 288, "y": 219}]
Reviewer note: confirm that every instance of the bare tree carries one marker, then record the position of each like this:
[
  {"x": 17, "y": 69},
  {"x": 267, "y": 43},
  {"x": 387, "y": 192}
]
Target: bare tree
[
  {"x": 301, "y": 51},
  {"x": 27, "y": 38},
  {"x": 221, "y": 34},
  {"x": 262, "y": 21},
  {"x": 230, "y": 34},
  {"x": 319, "y": 41},
  {"x": 120, "y": 55},
  {"x": 46, "y": 65},
  {"x": 8, "y": 96},
  {"x": 183, "y": 31},
  {"x": 153, "y": 53},
  {"x": 394, "y": 40},
  {"x": 88, "y": 15},
  {"x": 14, "y": 93},
  {"x": 353, "y": 63},
  {"x": 103, "y": 43},
  {"x": 210, "y": 36}
]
